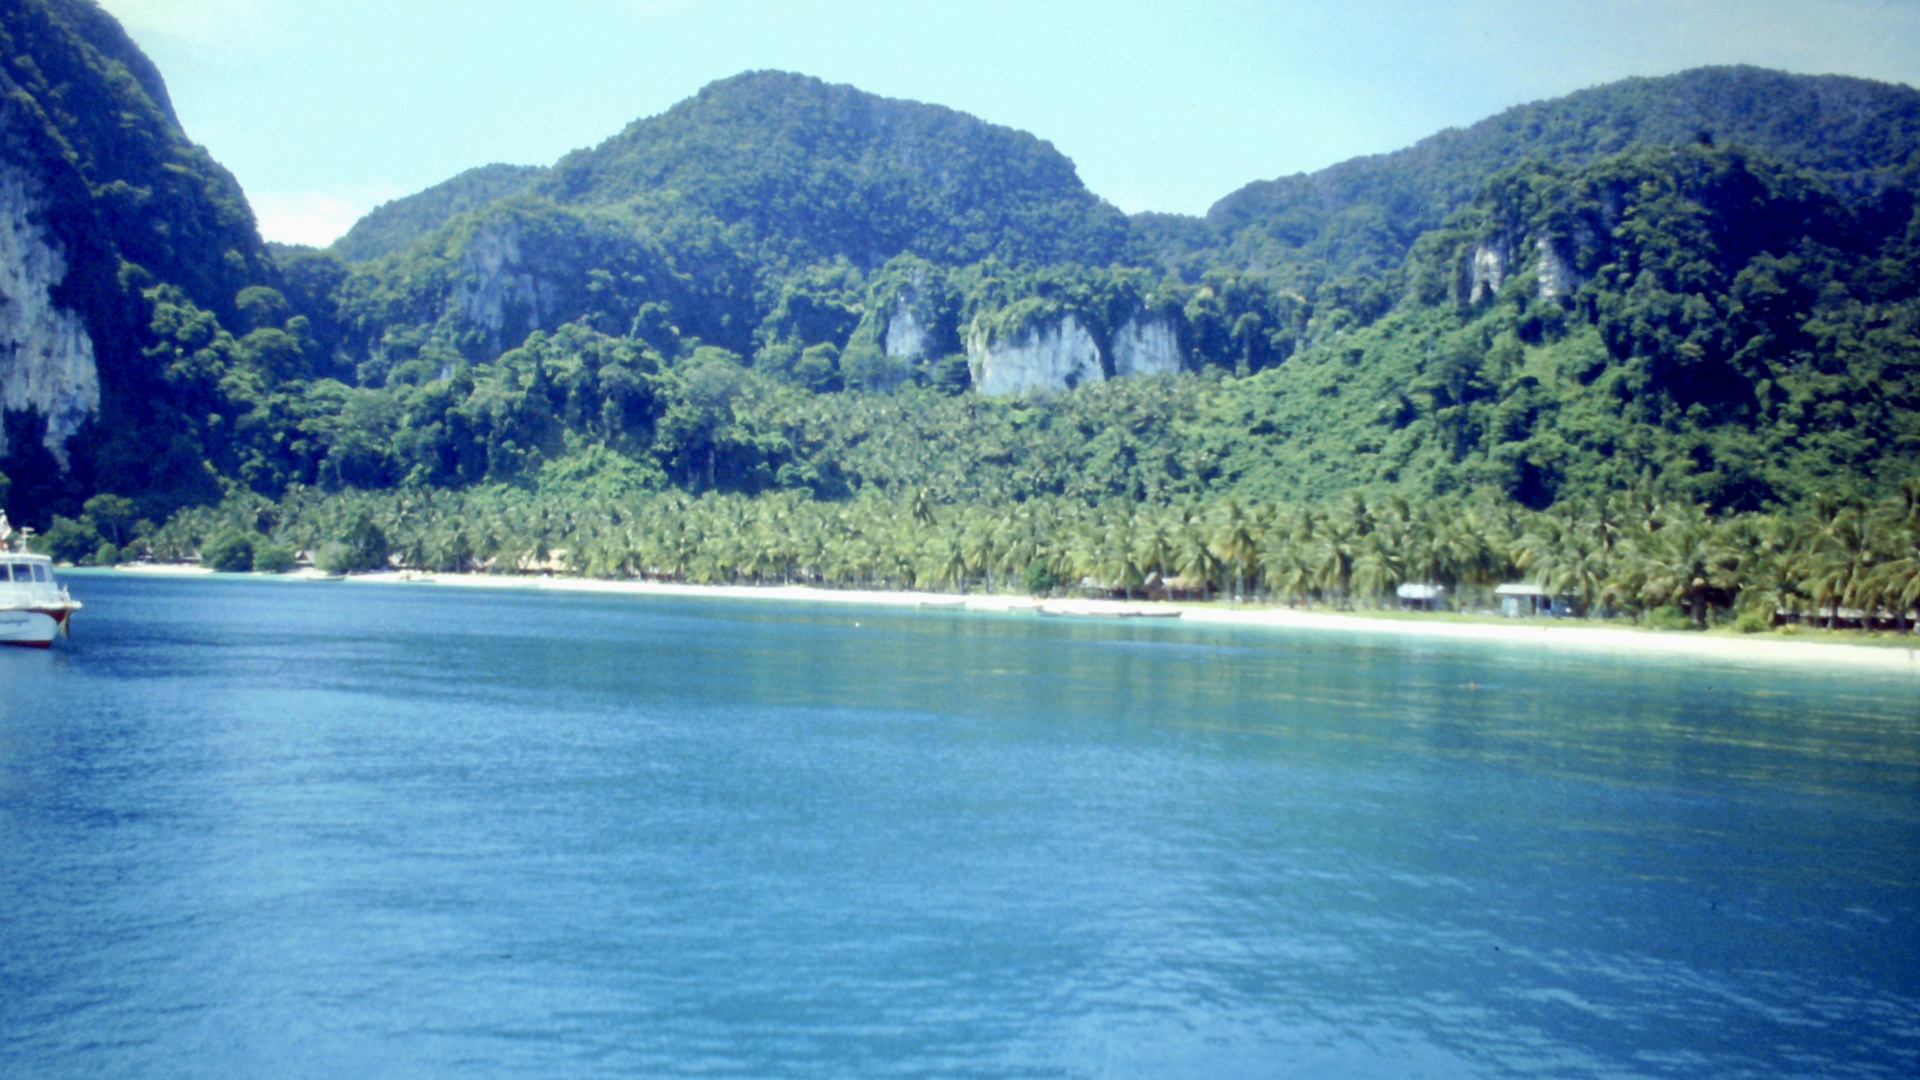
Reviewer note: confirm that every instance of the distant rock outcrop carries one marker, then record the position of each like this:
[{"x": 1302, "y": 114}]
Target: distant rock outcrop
[
  {"x": 1488, "y": 272},
  {"x": 1482, "y": 272},
  {"x": 496, "y": 292},
  {"x": 909, "y": 328},
  {"x": 1048, "y": 356},
  {"x": 1146, "y": 345},
  {"x": 1558, "y": 278}
]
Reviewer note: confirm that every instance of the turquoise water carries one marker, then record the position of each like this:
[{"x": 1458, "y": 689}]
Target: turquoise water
[{"x": 261, "y": 829}]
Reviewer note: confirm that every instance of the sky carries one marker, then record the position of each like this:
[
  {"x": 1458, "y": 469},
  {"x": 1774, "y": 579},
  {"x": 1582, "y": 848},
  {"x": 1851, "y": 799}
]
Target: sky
[{"x": 326, "y": 108}]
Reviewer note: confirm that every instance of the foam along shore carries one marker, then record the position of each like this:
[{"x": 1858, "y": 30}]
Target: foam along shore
[{"x": 1571, "y": 637}]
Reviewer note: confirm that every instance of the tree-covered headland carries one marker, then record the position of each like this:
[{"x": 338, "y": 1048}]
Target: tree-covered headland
[{"x": 1655, "y": 345}]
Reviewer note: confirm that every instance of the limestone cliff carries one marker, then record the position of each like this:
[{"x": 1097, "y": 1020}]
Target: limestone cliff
[
  {"x": 1558, "y": 279},
  {"x": 1489, "y": 272},
  {"x": 46, "y": 355},
  {"x": 909, "y": 329},
  {"x": 1485, "y": 270},
  {"x": 1146, "y": 345},
  {"x": 496, "y": 292},
  {"x": 1051, "y": 355}
]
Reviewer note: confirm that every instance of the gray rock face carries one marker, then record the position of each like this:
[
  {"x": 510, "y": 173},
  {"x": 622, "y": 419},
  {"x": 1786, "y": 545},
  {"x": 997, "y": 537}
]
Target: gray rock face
[
  {"x": 907, "y": 329},
  {"x": 1489, "y": 272},
  {"x": 497, "y": 292},
  {"x": 1146, "y": 346},
  {"x": 1048, "y": 357},
  {"x": 46, "y": 357},
  {"x": 1557, "y": 276}
]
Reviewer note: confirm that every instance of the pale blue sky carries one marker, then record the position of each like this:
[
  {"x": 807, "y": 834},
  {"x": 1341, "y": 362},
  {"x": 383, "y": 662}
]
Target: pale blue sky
[{"x": 325, "y": 108}]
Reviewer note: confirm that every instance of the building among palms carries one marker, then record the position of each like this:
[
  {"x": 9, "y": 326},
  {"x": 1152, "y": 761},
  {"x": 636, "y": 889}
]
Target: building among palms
[
  {"x": 1524, "y": 598},
  {"x": 1421, "y": 596}
]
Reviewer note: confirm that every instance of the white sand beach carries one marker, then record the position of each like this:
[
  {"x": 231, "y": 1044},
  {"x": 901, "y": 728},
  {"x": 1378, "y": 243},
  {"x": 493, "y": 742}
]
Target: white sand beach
[{"x": 1571, "y": 637}]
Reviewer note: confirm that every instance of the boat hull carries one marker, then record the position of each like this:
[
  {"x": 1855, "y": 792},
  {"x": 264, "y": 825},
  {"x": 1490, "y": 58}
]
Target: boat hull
[{"x": 32, "y": 629}]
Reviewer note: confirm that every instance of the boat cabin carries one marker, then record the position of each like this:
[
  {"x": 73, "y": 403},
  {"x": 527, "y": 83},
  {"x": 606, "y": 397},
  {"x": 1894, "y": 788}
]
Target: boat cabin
[{"x": 20, "y": 572}]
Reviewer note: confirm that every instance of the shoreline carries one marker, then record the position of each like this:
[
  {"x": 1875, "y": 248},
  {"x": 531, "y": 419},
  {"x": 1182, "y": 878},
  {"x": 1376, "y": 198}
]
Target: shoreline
[{"x": 1889, "y": 659}]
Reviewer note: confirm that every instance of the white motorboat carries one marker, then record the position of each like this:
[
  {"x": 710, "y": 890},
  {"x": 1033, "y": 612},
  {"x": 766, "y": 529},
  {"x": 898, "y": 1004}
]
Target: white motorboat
[{"x": 33, "y": 606}]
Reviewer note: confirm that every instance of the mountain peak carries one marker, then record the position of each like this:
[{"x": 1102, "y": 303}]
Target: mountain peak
[
  {"x": 817, "y": 170},
  {"x": 1363, "y": 214}
]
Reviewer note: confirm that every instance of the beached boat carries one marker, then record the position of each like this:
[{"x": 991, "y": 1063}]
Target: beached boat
[{"x": 33, "y": 606}]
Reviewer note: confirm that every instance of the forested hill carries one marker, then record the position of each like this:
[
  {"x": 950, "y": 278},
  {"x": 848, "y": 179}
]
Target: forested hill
[
  {"x": 816, "y": 171},
  {"x": 805, "y": 172},
  {"x": 394, "y": 225},
  {"x": 105, "y": 209},
  {"x": 90, "y": 129},
  {"x": 1363, "y": 216}
]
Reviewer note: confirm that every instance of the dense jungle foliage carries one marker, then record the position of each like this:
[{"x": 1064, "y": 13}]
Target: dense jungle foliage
[
  {"x": 1696, "y": 294},
  {"x": 394, "y": 225},
  {"x": 1727, "y": 326},
  {"x": 1364, "y": 215}
]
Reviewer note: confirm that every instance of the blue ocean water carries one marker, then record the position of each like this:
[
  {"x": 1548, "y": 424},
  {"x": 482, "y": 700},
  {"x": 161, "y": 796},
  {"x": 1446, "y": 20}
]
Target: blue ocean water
[{"x": 266, "y": 829}]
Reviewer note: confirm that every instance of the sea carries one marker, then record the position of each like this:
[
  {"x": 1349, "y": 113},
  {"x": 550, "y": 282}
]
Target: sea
[{"x": 259, "y": 828}]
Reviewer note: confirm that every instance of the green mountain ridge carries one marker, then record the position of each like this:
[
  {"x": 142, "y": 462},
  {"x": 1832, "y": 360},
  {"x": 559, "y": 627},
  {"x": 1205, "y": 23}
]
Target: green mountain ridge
[
  {"x": 1364, "y": 215},
  {"x": 814, "y": 172},
  {"x": 396, "y": 224}
]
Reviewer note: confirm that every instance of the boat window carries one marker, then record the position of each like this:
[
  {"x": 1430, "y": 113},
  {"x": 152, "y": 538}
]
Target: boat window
[
  {"x": 40, "y": 572},
  {"x": 18, "y": 571}
]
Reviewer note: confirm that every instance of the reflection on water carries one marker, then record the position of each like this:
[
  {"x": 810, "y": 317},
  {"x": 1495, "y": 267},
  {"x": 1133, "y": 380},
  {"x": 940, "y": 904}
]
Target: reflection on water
[{"x": 253, "y": 828}]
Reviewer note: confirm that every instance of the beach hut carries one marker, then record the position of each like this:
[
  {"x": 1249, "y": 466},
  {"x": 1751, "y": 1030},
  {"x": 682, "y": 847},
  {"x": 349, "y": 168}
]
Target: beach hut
[
  {"x": 1522, "y": 599},
  {"x": 1422, "y": 596}
]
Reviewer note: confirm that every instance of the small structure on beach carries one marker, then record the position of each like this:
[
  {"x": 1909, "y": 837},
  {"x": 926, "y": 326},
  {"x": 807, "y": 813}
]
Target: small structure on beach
[
  {"x": 1421, "y": 596},
  {"x": 1524, "y": 598}
]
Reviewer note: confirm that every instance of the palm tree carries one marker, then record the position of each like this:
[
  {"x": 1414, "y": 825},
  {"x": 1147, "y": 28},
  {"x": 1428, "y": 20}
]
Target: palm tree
[
  {"x": 1377, "y": 568},
  {"x": 1233, "y": 542},
  {"x": 1154, "y": 549},
  {"x": 1194, "y": 557},
  {"x": 1283, "y": 563},
  {"x": 1841, "y": 549},
  {"x": 1117, "y": 565},
  {"x": 1687, "y": 563},
  {"x": 1331, "y": 558}
]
